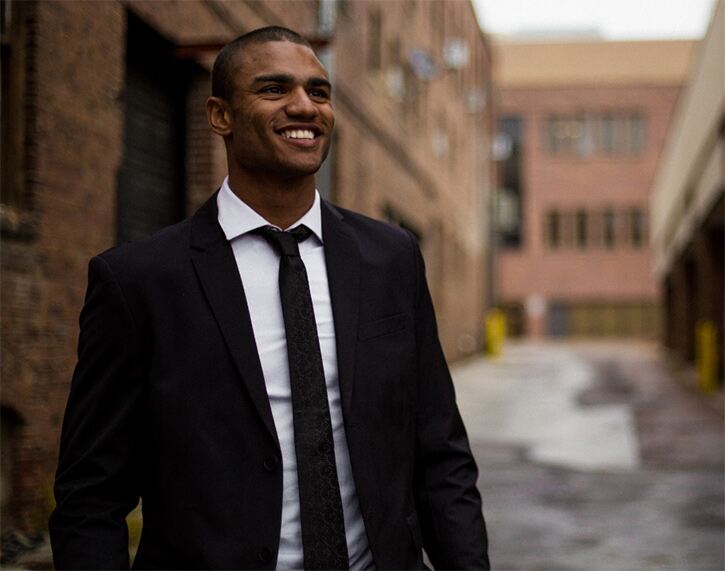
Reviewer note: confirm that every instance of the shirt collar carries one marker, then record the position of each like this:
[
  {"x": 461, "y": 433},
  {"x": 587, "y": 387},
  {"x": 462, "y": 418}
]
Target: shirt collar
[{"x": 236, "y": 217}]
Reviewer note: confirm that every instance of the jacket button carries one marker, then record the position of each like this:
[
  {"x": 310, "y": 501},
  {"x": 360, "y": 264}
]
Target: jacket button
[
  {"x": 265, "y": 555},
  {"x": 270, "y": 463}
]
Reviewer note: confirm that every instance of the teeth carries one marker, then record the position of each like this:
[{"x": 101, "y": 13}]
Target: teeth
[{"x": 298, "y": 134}]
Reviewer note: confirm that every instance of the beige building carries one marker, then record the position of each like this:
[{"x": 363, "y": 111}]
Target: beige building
[
  {"x": 105, "y": 139},
  {"x": 688, "y": 211},
  {"x": 581, "y": 128}
]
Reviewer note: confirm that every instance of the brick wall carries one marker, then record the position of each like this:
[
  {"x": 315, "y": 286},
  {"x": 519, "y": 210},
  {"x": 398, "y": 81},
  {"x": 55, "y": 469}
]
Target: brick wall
[
  {"x": 389, "y": 159},
  {"x": 71, "y": 155}
]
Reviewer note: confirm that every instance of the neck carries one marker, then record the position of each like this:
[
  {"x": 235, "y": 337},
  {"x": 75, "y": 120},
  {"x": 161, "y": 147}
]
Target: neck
[{"x": 279, "y": 201}]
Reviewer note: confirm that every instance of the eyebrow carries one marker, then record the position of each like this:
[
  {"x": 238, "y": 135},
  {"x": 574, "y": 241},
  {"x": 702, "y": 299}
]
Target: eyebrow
[{"x": 287, "y": 79}]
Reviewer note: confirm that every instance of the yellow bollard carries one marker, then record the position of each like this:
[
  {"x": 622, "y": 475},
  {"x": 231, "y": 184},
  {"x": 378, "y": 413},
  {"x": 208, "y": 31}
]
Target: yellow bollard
[
  {"x": 495, "y": 329},
  {"x": 706, "y": 355}
]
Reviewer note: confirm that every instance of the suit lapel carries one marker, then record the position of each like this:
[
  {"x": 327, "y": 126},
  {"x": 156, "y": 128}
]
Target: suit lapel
[
  {"x": 342, "y": 258},
  {"x": 217, "y": 270}
]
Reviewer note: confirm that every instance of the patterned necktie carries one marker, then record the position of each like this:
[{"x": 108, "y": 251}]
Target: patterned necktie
[{"x": 323, "y": 527}]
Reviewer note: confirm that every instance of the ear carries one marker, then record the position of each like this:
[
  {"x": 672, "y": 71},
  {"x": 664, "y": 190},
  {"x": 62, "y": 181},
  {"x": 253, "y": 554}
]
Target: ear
[{"x": 219, "y": 115}]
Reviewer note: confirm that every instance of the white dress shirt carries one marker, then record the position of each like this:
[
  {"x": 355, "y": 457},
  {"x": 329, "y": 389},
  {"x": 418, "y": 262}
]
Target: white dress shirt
[{"x": 258, "y": 265}]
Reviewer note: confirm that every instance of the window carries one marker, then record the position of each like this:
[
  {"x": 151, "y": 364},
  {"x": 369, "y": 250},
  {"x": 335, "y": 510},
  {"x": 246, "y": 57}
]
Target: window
[
  {"x": 595, "y": 229},
  {"x": 637, "y": 229},
  {"x": 12, "y": 40},
  {"x": 636, "y": 133},
  {"x": 568, "y": 229},
  {"x": 585, "y": 134},
  {"x": 583, "y": 143},
  {"x": 375, "y": 34},
  {"x": 553, "y": 229},
  {"x": 511, "y": 181},
  {"x": 609, "y": 228},
  {"x": 582, "y": 229},
  {"x": 567, "y": 135},
  {"x": 607, "y": 134}
]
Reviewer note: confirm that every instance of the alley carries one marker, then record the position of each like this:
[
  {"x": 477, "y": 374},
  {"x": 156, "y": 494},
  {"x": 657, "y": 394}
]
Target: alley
[{"x": 593, "y": 457}]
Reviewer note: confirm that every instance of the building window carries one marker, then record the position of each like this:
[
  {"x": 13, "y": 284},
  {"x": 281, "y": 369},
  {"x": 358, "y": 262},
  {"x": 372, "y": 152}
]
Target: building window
[
  {"x": 636, "y": 133},
  {"x": 637, "y": 228},
  {"x": 375, "y": 42},
  {"x": 582, "y": 229},
  {"x": 12, "y": 43},
  {"x": 585, "y": 229},
  {"x": 609, "y": 228},
  {"x": 606, "y": 140},
  {"x": 586, "y": 134},
  {"x": 595, "y": 229},
  {"x": 583, "y": 142},
  {"x": 553, "y": 229},
  {"x": 509, "y": 154},
  {"x": 568, "y": 229}
]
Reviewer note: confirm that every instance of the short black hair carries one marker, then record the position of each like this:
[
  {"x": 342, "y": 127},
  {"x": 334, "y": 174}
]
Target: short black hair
[{"x": 222, "y": 73}]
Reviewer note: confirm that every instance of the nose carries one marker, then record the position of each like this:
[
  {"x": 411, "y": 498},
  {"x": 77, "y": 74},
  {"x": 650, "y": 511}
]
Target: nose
[{"x": 300, "y": 104}]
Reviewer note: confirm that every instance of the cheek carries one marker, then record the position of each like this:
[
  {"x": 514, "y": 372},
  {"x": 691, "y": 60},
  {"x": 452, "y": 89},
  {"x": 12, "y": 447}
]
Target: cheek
[{"x": 251, "y": 134}]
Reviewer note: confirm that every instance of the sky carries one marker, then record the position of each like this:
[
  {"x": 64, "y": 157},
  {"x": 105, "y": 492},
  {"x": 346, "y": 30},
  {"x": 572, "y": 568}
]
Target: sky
[{"x": 614, "y": 19}]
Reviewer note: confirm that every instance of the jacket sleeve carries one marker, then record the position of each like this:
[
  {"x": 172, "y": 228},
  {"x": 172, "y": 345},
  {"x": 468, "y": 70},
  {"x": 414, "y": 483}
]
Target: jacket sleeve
[
  {"x": 96, "y": 484},
  {"x": 447, "y": 500}
]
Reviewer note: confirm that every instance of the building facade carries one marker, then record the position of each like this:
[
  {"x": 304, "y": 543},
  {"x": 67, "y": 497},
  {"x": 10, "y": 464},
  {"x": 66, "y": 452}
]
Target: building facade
[
  {"x": 581, "y": 128},
  {"x": 104, "y": 139},
  {"x": 688, "y": 211}
]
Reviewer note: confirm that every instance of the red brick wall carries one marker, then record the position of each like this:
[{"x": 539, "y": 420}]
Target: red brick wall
[{"x": 73, "y": 151}]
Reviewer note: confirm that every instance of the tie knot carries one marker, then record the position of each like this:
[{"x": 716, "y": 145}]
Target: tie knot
[{"x": 285, "y": 242}]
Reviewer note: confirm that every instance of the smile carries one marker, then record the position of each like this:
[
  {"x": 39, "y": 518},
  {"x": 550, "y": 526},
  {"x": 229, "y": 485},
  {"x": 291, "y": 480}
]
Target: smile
[{"x": 298, "y": 134}]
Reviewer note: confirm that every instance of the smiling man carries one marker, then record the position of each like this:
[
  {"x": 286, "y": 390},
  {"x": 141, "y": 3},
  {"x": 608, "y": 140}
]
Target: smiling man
[{"x": 266, "y": 376}]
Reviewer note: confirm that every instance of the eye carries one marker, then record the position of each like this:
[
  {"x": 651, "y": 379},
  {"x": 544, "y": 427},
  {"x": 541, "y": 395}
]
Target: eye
[
  {"x": 274, "y": 89},
  {"x": 319, "y": 94}
]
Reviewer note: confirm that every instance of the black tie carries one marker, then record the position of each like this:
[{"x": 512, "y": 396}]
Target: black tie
[{"x": 323, "y": 527}]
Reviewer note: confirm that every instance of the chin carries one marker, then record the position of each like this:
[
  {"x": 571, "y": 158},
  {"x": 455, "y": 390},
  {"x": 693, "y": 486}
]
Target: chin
[{"x": 303, "y": 169}]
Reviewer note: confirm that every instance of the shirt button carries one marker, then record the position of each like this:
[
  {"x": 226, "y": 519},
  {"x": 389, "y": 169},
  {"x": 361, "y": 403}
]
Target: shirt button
[
  {"x": 265, "y": 555},
  {"x": 270, "y": 463}
]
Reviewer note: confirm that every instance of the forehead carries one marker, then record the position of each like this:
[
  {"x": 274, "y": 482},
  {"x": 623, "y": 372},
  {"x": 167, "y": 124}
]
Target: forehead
[{"x": 277, "y": 58}]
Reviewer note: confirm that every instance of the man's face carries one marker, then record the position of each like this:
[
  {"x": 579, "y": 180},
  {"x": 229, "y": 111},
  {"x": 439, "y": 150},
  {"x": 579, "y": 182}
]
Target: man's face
[{"x": 281, "y": 113}]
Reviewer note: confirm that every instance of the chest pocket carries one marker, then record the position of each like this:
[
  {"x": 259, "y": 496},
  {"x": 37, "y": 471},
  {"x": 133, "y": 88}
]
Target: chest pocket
[{"x": 381, "y": 327}]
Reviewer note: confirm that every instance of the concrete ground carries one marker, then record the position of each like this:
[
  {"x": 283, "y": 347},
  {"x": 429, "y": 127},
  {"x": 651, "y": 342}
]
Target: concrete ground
[{"x": 592, "y": 456}]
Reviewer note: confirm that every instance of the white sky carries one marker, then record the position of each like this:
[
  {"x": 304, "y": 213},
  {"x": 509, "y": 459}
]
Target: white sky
[{"x": 614, "y": 19}]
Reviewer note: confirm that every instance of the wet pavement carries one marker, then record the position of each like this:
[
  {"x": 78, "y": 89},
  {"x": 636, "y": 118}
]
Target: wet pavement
[{"x": 593, "y": 456}]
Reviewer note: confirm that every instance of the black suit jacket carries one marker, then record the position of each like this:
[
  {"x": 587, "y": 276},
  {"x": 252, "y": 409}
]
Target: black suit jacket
[{"x": 168, "y": 403}]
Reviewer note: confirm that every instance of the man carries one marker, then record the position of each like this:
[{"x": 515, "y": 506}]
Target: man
[{"x": 277, "y": 399}]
